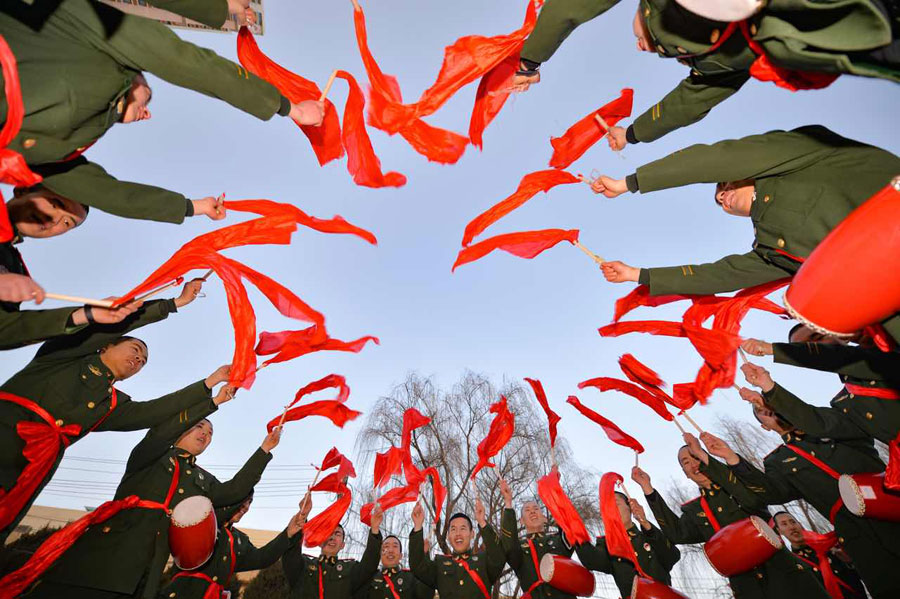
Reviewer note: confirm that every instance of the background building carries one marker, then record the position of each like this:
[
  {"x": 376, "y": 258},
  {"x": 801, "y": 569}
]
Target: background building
[{"x": 146, "y": 9}]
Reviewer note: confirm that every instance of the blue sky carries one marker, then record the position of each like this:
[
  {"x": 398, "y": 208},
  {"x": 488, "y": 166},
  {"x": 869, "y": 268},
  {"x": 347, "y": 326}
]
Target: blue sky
[{"x": 502, "y": 316}]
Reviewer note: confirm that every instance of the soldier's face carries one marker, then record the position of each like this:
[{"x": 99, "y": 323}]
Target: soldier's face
[
  {"x": 42, "y": 214},
  {"x": 691, "y": 467},
  {"x": 767, "y": 420},
  {"x": 137, "y": 100},
  {"x": 390, "y": 553},
  {"x": 533, "y": 517},
  {"x": 335, "y": 543},
  {"x": 788, "y": 526},
  {"x": 197, "y": 439},
  {"x": 735, "y": 197},
  {"x": 643, "y": 40},
  {"x": 460, "y": 535},
  {"x": 805, "y": 334},
  {"x": 245, "y": 507},
  {"x": 624, "y": 510},
  {"x": 125, "y": 359}
]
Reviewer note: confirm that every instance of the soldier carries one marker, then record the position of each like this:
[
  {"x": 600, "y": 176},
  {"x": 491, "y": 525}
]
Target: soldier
[
  {"x": 126, "y": 555},
  {"x": 524, "y": 555},
  {"x": 795, "y": 186},
  {"x": 656, "y": 554},
  {"x": 802, "y": 37},
  {"x": 841, "y": 565},
  {"x": 464, "y": 574},
  {"x": 393, "y": 582},
  {"x": 234, "y": 552},
  {"x": 870, "y": 376},
  {"x": 327, "y": 576},
  {"x": 805, "y": 467},
  {"x": 721, "y": 502},
  {"x": 68, "y": 390},
  {"x": 81, "y": 65}
]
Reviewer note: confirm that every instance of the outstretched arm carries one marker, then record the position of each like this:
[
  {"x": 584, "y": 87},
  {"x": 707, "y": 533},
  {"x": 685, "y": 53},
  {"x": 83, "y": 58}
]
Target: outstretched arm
[
  {"x": 368, "y": 565},
  {"x": 242, "y": 483},
  {"x": 557, "y": 20}
]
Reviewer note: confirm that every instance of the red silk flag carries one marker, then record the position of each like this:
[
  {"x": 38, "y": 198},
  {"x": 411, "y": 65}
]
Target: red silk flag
[
  {"x": 640, "y": 296},
  {"x": 335, "y": 224},
  {"x": 582, "y": 135},
  {"x": 331, "y": 381},
  {"x": 653, "y": 327},
  {"x": 654, "y": 402},
  {"x": 287, "y": 345},
  {"x": 391, "y": 462},
  {"x": 501, "y": 431},
  {"x": 325, "y": 139},
  {"x": 438, "y": 489},
  {"x": 529, "y": 186},
  {"x": 618, "y": 543},
  {"x": 552, "y": 417},
  {"x": 615, "y": 434},
  {"x": 524, "y": 244},
  {"x": 332, "y": 458},
  {"x": 392, "y": 498},
  {"x": 638, "y": 372},
  {"x": 438, "y": 145},
  {"x": 466, "y": 60},
  {"x": 493, "y": 91},
  {"x": 551, "y": 493},
  {"x": 337, "y": 412},
  {"x": 318, "y": 529},
  {"x": 821, "y": 544}
]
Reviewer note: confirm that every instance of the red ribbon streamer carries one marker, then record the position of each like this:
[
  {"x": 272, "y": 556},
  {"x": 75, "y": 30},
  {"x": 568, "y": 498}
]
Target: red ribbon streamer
[
  {"x": 552, "y": 417},
  {"x": 585, "y": 133},
  {"x": 618, "y": 543},
  {"x": 654, "y": 402},
  {"x": 524, "y": 244},
  {"x": 615, "y": 434},
  {"x": 501, "y": 431},
  {"x": 335, "y": 224},
  {"x": 560, "y": 506}
]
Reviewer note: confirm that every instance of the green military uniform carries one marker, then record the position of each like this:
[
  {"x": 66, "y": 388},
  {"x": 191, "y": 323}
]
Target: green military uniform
[
  {"x": 211, "y": 13},
  {"x": 233, "y": 553},
  {"x": 125, "y": 556},
  {"x": 852, "y": 586},
  {"x": 656, "y": 554},
  {"x": 22, "y": 327},
  {"x": 69, "y": 380},
  {"x": 781, "y": 577},
  {"x": 449, "y": 577},
  {"x": 523, "y": 554},
  {"x": 394, "y": 583},
  {"x": 872, "y": 544},
  {"x": 860, "y": 368},
  {"x": 852, "y": 37},
  {"x": 340, "y": 578}
]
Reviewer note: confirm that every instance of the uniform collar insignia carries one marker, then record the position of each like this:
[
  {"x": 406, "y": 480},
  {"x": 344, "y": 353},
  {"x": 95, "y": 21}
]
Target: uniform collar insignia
[
  {"x": 632, "y": 531},
  {"x": 94, "y": 370},
  {"x": 464, "y": 555},
  {"x": 328, "y": 560},
  {"x": 391, "y": 570},
  {"x": 188, "y": 457}
]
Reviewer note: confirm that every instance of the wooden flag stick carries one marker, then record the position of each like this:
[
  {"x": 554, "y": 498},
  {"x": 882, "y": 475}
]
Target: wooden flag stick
[
  {"x": 636, "y": 454},
  {"x": 208, "y": 274},
  {"x": 737, "y": 387},
  {"x": 694, "y": 424},
  {"x": 603, "y": 124},
  {"x": 283, "y": 415},
  {"x": 80, "y": 300},
  {"x": 159, "y": 289},
  {"x": 678, "y": 424},
  {"x": 592, "y": 255},
  {"x": 625, "y": 489},
  {"x": 743, "y": 355},
  {"x": 328, "y": 85}
]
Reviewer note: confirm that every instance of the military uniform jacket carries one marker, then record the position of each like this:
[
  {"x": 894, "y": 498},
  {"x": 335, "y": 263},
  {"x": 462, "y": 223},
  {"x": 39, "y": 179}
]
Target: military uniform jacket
[
  {"x": 807, "y": 181},
  {"x": 402, "y": 582},
  {"x": 520, "y": 557},
  {"x": 447, "y": 575},
  {"x": 18, "y": 328},
  {"x": 136, "y": 541},
  {"x": 782, "y": 577},
  {"x": 860, "y": 367},
  {"x": 220, "y": 568},
  {"x": 852, "y": 586},
  {"x": 656, "y": 555},
  {"x": 78, "y": 58},
  {"x": 341, "y": 578},
  {"x": 69, "y": 380}
]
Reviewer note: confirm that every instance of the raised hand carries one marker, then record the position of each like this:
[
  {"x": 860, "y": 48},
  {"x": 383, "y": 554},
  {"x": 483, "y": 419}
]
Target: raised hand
[
  {"x": 296, "y": 524},
  {"x": 616, "y": 138},
  {"x": 220, "y": 375},
  {"x": 306, "y": 504},
  {"x": 271, "y": 441},
  {"x": 694, "y": 447},
  {"x": 719, "y": 448},
  {"x": 758, "y": 376},
  {"x": 521, "y": 83},
  {"x": 308, "y": 112},
  {"x": 418, "y": 516},
  {"x": 619, "y": 272},
  {"x": 753, "y": 397},
  {"x": 377, "y": 518},
  {"x": 756, "y": 347},
  {"x": 224, "y": 395},
  {"x": 480, "y": 513},
  {"x": 19, "y": 288},
  {"x": 242, "y": 9},
  {"x": 643, "y": 479},
  {"x": 506, "y": 493},
  {"x": 212, "y": 207},
  {"x": 638, "y": 511},
  {"x": 189, "y": 292},
  {"x": 608, "y": 186}
]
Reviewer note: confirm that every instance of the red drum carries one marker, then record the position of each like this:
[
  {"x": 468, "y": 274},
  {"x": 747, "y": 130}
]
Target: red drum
[
  {"x": 647, "y": 588},
  {"x": 567, "y": 575},
  {"x": 192, "y": 532},
  {"x": 865, "y": 496},
  {"x": 741, "y": 546},
  {"x": 723, "y": 10},
  {"x": 846, "y": 283}
]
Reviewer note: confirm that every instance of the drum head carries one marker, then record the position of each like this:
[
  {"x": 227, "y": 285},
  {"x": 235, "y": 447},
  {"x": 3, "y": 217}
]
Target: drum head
[
  {"x": 766, "y": 531},
  {"x": 723, "y": 10},
  {"x": 851, "y": 495},
  {"x": 191, "y": 511},
  {"x": 547, "y": 567}
]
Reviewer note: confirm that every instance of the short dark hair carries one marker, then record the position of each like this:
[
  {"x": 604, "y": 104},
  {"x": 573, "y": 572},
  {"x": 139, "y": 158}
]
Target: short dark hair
[
  {"x": 622, "y": 495},
  {"x": 396, "y": 538},
  {"x": 775, "y": 518},
  {"x": 781, "y": 420},
  {"x": 460, "y": 515},
  {"x": 794, "y": 329}
]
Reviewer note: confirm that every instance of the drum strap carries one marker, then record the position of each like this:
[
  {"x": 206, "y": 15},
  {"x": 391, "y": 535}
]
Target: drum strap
[
  {"x": 321, "y": 585},
  {"x": 231, "y": 552},
  {"x": 390, "y": 585},
  {"x": 213, "y": 589},
  {"x": 537, "y": 570},
  {"x": 824, "y": 468},
  {"x": 879, "y": 392},
  {"x": 709, "y": 514},
  {"x": 791, "y": 256},
  {"x": 832, "y": 579},
  {"x": 475, "y": 577}
]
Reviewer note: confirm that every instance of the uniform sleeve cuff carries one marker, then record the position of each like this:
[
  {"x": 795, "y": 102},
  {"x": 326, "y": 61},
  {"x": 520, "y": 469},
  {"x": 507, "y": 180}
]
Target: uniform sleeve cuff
[
  {"x": 188, "y": 208},
  {"x": 284, "y": 108},
  {"x": 632, "y": 182},
  {"x": 644, "y": 276},
  {"x": 630, "y": 137}
]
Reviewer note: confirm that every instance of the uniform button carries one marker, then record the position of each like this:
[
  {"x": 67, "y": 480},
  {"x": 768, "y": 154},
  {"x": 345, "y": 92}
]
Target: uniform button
[
  {"x": 181, "y": 491},
  {"x": 813, "y": 452},
  {"x": 753, "y": 29},
  {"x": 187, "y": 471},
  {"x": 109, "y": 390},
  {"x": 759, "y": 575},
  {"x": 793, "y": 469},
  {"x": 766, "y": 198},
  {"x": 680, "y": 50},
  {"x": 815, "y": 569},
  {"x": 872, "y": 383},
  {"x": 719, "y": 509},
  {"x": 171, "y": 594},
  {"x": 460, "y": 583},
  {"x": 91, "y": 405},
  {"x": 29, "y": 143},
  {"x": 868, "y": 415},
  {"x": 106, "y": 529},
  {"x": 780, "y": 243},
  {"x": 712, "y": 493},
  {"x": 714, "y": 36},
  {"x": 799, "y": 567},
  {"x": 841, "y": 539},
  {"x": 850, "y": 396},
  {"x": 215, "y": 578},
  {"x": 59, "y": 422},
  {"x": 646, "y": 12},
  {"x": 845, "y": 410},
  {"x": 84, "y": 377},
  {"x": 224, "y": 557}
]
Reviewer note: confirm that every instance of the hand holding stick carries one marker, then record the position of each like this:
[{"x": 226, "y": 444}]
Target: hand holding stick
[
  {"x": 605, "y": 127},
  {"x": 80, "y": 300},
  {"x": 591, "y": 254},
  {"x": 678, "y": 424},
  {"x": 691, "y": 420},
  {"x": 328, "y": 86}
]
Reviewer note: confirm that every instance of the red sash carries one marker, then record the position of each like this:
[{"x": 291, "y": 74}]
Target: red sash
[
  {"x": 390, "y": 584},
  {"x": 879, "y": 392},
  {"x": 13, "y": 584},
  {"x": 709, "y": 514},
  {"x": 827, "y": 470},
  {"x": 321, "y": 586},
  {"x": 892, "y": 474},
  {"x": 832, "y": 583},
  {"x": 537, "y": 570},
  {"x": 43, "y": 443},
  {"x": 475, "y": 577}
]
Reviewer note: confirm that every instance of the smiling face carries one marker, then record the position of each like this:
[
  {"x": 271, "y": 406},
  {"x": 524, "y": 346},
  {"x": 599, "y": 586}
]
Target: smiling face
[
  {"x": 769, "y": 420},
  {"x": 533, "y": 518},
  {"x": 735, "y": 197},
  {"x": 391, "y": 552},
  {"x": 460, "y": 534},
  {"x": 197, "y": 438},
  {"x": 125, "y": 358},
  {"x": 642, "y": 36},
  {"x": 41, "y": 214},
  {"x": 788, "y": 526},
  {"x": 245, "y": 507},
  {"x": 334, "y": 544},
  {"x": 691, "y": 468},
  {"x": 136, "y": 101}
]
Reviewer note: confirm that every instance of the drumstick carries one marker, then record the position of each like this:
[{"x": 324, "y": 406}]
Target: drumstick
[
  {"x": 328, "y": 85},
  {"x": 150, "y": 294},
  {"x": 592, "y": 255},
  {"x": 743, "y": 355},
  {"x": 80, "y": 300},
  {"x": 678, "y": 424},
  {"x": 694, "y": 424}
]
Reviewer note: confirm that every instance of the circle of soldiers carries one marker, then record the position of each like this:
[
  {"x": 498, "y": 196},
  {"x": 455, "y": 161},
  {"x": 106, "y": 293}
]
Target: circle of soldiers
[{"x": 795, "y": 186}]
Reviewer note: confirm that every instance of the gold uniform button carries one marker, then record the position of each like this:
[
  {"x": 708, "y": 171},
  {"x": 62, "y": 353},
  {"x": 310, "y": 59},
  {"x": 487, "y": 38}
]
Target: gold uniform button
[
  {"x": 224, "y": 557},
  {"x": 171, "y": 594},
  {"x": 215, "y": 578},
  {"x": 187, "y": 471},
  {"x": 106, "y": 529},
  {"x": 460, "y": 583},
  {"x": 872, "y": 383},
  {"x": 793, "y": 469},
  {"x": 646, "y": 12},
  {"x": 759, "y": 575},
  {"x": 753, "y": 29},
  {"x": 719, "y": 509},
  {"x": 84, "y": 377},
  {"x": 181, "y": 491},
  {"x": 680, "y": 50},
  {"x": 29, "y": 143},
  {"x": 766, "y": 198},
  {"x": 780, "y": 243},
  {"x": 845, "y": 410},
  {"x": 868, "y": 415},
  {"x": 714, "y": 36},
  {"x": 59, "y": 422},
  {"x": 841, "y": 539}
]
